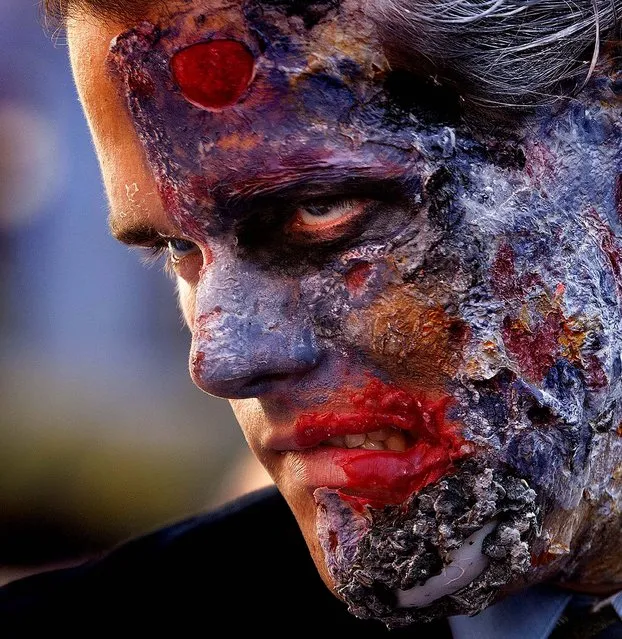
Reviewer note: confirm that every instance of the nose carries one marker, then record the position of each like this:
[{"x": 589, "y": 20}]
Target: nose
[{"x": 251, "y": 335}]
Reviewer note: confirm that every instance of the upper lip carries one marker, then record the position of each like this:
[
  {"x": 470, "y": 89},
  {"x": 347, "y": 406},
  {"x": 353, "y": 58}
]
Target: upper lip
[{"x": 391, "y": 408}]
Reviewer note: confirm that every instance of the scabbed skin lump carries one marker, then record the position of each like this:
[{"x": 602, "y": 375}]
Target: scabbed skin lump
[{"x": 371, "y": 552}]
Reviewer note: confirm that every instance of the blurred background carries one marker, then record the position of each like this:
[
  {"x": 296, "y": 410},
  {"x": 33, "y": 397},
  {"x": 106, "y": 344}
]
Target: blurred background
[{"x": 102, "y": 434}]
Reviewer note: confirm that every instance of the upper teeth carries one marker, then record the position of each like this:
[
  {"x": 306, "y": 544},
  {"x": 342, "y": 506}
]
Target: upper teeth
[{"x": 385, "y": 439}]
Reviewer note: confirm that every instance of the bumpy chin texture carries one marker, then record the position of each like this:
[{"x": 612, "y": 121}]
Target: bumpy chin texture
[{"x": 451, "y": 548}]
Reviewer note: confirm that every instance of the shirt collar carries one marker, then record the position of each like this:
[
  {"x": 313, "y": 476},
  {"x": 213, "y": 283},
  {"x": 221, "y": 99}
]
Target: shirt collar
[{"x": 530, "y": 614}]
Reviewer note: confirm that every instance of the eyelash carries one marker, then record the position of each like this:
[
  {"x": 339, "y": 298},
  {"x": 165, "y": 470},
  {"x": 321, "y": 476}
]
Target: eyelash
[
  {"x": 344, "y": 209},
  {"x": 338, "y": 207},
  {"x": 157, "y": 254}
]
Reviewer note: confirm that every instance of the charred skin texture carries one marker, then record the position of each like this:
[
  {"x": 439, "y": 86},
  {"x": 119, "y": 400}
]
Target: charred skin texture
[
  {"x": 371, "y": 553},
  {"x": 487, "y": 268}
]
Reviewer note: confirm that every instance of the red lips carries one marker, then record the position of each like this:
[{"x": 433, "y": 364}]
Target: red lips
[{"x": 383, "y": 477}]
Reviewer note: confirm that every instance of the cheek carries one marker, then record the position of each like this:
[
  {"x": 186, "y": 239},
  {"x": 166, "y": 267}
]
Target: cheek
[
  {"x": 188, "y": 273},
  {"x": 244, "y": 411},
  {"x": 252, "y": 419},
  {"x": 186, "y": 293},
  {"x": 414, "y": 339}
]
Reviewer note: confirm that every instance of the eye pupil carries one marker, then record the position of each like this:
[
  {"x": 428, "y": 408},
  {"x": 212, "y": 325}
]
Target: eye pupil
[{"x": 180, "y": 245}]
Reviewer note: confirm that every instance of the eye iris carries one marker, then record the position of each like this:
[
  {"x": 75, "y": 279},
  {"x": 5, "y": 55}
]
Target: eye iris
[
  {"x": 214, "y": 75},
  {"x": 180, "y": 248}
]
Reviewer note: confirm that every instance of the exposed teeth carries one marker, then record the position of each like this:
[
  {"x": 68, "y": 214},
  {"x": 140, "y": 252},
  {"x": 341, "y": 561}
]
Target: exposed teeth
[
  {"x": 372, "y": 445},
  {"x": 385, "y": 439},
  {"x": 396, "y": 441},
  {"x": 354, "y": 441},
  {"x": 380, "y": 435}
]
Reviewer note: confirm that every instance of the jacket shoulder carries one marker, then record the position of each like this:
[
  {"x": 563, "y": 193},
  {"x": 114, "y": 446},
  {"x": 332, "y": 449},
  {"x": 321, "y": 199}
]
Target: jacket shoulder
[
  {"x": 243, "y": 567},
  {"x": 169, "y": 571}
]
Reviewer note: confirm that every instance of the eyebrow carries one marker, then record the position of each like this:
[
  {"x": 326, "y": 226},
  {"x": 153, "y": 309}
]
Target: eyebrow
[
  {"x": 133, "y": 234},
  {"x": 295, "y": 186},
  {"x": 312, "y": 180}
]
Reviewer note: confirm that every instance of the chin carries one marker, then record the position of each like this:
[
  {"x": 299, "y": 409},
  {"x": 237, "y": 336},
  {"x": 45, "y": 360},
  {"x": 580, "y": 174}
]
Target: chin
[{"x": 454, "y": 548}]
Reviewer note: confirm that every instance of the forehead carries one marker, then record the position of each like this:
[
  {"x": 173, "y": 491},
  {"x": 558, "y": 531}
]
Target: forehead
[
  {"x": 296, "y": 49},
  {"x": 283, "y": 53},
  {"x": 115, "y": 16},
  {"x": 315, "y": 30},
  {"x": 317, "y": 110},
  {"x": 315, "y": 83}
]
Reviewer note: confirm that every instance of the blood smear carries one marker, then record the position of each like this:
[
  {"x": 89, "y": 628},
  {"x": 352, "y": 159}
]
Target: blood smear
[{"x": 214, "y": 75}]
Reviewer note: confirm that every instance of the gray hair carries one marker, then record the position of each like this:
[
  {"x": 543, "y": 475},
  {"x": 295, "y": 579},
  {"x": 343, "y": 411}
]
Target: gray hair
[{"x": 503, "y": 52}]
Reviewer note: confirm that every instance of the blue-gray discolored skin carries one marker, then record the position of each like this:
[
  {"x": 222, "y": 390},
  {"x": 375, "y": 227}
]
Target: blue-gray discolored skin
[{"x": 490, "y": 246}]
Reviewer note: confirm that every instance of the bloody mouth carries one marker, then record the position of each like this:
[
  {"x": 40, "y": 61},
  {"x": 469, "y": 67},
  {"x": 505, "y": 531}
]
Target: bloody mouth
[{"x": 389, "y": 445}]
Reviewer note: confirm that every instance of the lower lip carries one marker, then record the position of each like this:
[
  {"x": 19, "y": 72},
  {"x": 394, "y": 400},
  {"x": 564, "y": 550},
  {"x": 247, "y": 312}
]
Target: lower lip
[{"x": 377, "y": 477}]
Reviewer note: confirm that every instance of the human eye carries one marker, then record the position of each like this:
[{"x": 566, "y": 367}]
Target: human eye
[
  {"x": 179, "y": 249},
  {"x": 324, "y": 220},
  {"x": 182, "y": 258}
]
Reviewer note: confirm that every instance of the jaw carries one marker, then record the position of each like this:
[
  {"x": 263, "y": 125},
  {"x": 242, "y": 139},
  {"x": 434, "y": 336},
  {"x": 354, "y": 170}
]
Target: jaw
[
  {"x": 384, "y": 561},
  {"x": 454, "y": 548}
]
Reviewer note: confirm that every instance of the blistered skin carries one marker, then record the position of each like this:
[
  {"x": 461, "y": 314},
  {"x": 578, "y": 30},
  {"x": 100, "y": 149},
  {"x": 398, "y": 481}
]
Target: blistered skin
[
  {"x": 384, "y": 553},
  {"x": 483, "y": 271}
]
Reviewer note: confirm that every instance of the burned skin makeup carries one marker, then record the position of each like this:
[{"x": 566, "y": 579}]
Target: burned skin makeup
[{"x": 426, "y": 306}]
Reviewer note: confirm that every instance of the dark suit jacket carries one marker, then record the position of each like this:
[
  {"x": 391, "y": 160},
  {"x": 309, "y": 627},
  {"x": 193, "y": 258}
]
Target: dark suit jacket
[{"x": 244, "y": 567}]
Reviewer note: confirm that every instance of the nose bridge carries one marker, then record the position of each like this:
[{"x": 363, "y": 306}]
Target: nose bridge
[{"x": 250, "y": 330}]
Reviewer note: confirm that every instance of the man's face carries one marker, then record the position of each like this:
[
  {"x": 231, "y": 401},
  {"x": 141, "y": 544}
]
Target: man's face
[{"x": 401, "y": 298}]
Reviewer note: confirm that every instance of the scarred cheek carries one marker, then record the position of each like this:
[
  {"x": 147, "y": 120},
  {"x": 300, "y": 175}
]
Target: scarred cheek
[
  {"x": 414, "y": 340},
  {"x": 357, "y": 277},
  {"x": 366, "y": 278},
  {"x": 536, "y": 331}
]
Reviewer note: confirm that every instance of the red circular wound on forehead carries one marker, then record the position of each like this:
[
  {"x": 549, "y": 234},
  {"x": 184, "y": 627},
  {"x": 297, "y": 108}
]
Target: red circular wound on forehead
[{"x": 214, "y": 75}]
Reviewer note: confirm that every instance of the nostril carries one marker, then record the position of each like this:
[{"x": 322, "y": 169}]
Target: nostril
[
  {"x": 262, "y": 384},
  {"x": 224, "y": 377},
  {"x": 247, "y": 387}
]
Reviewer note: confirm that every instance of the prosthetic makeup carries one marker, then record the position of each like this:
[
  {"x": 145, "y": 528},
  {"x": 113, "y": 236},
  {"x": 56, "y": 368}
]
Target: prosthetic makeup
[{"x": 424, "y": 299}]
